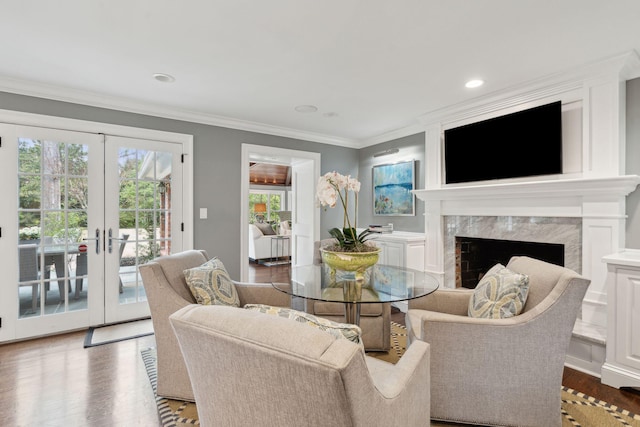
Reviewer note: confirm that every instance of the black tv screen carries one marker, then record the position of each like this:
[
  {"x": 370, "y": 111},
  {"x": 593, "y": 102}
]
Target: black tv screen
[{"x": 526, "y": 143}]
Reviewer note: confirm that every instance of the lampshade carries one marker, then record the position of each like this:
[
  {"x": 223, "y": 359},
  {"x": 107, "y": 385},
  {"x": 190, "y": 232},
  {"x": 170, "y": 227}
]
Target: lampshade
[{"x": 260, "y": 208}]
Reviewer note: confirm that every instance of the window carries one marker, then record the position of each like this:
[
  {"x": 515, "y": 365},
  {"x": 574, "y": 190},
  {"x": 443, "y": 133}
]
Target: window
[{"x": 274, "y": 201}]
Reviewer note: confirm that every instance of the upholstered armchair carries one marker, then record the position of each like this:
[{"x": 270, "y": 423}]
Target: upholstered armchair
[
  {"x": 500, "y": 371},
  {"x": 375, "y": 318},
  {"x": 375, "y": 321},
  {"x": 167, "y": 292},
  {"x": 250, "y": 368}
]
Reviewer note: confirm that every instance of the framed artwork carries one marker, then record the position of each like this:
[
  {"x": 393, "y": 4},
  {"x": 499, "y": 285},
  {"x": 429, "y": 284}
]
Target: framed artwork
[{"x": 392, "y": 185}]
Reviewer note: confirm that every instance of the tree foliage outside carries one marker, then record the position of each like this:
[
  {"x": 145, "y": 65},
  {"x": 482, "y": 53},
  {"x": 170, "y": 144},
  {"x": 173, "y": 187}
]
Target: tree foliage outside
[
  {"x": 273, "y": 202},
  {"x": 140, "y": 201},
  {"x": 53, "y": 192},
  {"x": 136, "y": 195},
  {"x": 53, "y": 189}
]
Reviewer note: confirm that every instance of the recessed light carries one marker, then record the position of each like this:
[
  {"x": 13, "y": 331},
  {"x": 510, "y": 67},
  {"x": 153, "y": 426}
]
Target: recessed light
[
  {"x": 306, "y": 108},
  {"x": 164, "y": 78},
  {"x": 474, "y": 83}
]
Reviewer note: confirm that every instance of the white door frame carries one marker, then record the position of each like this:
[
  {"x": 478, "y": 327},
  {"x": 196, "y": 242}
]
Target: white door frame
[
  {"x": 268, "y": 154},
  {"x": 8, "y": 330}
]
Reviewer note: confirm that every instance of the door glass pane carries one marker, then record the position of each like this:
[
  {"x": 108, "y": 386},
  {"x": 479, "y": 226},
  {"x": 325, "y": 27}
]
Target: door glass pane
[
  {"x": 144, "y": 215},
  {"x": 52, "y": 202}
]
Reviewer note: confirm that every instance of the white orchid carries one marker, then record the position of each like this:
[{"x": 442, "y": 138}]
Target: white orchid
[
  {"x": 330, "y": 188},
  {"x": 326, "y": 192},
  {"x": 353, "y": 185}
]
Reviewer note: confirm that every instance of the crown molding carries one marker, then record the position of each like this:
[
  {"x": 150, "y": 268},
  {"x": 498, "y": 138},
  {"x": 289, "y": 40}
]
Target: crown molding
[
  {"x": 408, "y": 130},
  {"x": 56, "y": 93},
  {"x": 626, "y": 66},
  {"x": 623, "y": 66}
]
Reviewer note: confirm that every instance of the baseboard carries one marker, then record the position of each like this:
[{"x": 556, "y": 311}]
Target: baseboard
[
  {"x": 617, "y": 376},
  {"x": 586, "y": 354}
]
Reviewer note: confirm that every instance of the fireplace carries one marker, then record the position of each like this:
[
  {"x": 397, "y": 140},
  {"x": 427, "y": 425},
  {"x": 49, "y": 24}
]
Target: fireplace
[
  {"x": 474, "y": 256},
  {"x": 556, "y": 240}
]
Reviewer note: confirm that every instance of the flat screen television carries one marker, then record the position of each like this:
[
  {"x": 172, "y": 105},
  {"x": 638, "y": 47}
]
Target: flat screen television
[{"x": 521, "y": 144}]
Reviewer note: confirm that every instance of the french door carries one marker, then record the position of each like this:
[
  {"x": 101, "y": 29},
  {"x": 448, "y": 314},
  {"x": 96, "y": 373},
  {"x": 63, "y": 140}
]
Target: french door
[
  {"x": 82, "y": 212},
  {"x": 143, "y": 214}
]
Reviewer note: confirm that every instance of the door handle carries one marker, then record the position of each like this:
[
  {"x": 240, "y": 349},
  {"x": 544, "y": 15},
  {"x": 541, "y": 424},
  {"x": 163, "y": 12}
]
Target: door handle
[
  {"x": 97, "y": 239},
  {"x": 111, "y": 239}
]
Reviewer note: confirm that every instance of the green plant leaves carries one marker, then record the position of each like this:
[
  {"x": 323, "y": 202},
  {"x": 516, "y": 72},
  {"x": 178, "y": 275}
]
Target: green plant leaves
[{"x": 349, "y": 240}]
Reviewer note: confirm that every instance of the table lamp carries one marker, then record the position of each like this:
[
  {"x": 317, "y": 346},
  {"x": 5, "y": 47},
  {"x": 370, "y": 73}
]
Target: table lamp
[{"x": 260, "y": 209}]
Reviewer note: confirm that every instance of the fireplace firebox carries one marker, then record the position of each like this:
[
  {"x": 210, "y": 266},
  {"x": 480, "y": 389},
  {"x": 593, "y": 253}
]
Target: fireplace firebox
[{"x": 474, "y": 256}]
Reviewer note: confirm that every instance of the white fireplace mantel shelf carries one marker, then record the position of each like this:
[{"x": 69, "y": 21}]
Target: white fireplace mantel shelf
[{"x": 580, "y": 187}]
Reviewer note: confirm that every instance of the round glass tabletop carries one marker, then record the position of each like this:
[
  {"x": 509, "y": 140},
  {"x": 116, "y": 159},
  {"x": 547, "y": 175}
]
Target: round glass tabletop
[{"x": 382, "y": 283}]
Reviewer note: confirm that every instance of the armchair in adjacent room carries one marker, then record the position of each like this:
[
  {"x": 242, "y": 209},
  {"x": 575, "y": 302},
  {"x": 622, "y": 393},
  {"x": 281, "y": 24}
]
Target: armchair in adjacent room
[
  {"x": 500, "y": 371},
  {"x": 167, "y": 291},
  {"x": 250, "y": 368}
]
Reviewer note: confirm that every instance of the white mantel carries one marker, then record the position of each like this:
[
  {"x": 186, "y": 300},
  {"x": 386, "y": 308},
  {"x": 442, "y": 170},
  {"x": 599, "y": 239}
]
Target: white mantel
[
  {"x": 593, "y": 188},
  {"x": 540, "y": 191}
]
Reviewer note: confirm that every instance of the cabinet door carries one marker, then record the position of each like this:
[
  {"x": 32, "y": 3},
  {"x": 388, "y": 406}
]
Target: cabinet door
[
  {"x": 414, "y": 256},
  {"x": 627, "y": 318},
  {"x": 392, "y": 253}
]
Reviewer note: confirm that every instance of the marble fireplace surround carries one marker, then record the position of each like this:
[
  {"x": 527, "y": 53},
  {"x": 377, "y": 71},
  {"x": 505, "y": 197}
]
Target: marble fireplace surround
[
  {"x": 587, "y": 215},
  {"x": 564, "y": 231}
]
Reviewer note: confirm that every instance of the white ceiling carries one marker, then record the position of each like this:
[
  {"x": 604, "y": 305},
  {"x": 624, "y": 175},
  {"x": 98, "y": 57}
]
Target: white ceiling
[{"x": 376, "y": 64}]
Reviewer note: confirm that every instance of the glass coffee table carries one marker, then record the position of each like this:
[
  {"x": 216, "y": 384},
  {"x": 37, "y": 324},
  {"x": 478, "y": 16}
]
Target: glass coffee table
[{"x": 382, "y": 283}]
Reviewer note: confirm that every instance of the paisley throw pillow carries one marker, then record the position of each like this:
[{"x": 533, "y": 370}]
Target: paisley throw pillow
[
  {"x": 210, "y": 284},
  {"x": 500, "y": 294},
  {"x": 338, "y": 330}
]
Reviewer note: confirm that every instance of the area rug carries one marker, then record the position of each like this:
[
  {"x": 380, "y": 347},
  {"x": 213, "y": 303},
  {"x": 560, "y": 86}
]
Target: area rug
[
  {"x": 398, "y": 345},
  {"x": 172, "y": 413},
  {"x": 119, "y": 332},
  {"x": 578, "y": 409}
]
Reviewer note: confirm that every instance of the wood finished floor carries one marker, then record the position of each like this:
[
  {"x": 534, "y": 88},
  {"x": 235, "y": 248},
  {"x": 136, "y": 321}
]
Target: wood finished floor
[{"x": 54, "y": 381}]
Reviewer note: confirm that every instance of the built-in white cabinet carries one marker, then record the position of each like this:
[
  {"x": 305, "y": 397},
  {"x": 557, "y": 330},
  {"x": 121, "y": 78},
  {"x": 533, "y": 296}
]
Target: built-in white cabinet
[
  {"x": 622, "y": 363},
  {"x": 392, "y": 253},
  {"x": 402, "y": 249}
]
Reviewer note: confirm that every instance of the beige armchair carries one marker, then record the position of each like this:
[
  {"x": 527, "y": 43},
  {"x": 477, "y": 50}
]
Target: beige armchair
[
  {"x": 167, "y": 291},
  {"x": 375, "y": 321},
  {"x": 249, "y": 368},
  {"x": 375, "y": 318},
  {"x": 500, "y": 371}
]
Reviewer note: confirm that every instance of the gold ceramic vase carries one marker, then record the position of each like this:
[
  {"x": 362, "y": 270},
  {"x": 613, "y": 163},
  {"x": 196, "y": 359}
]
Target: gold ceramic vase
[{"x": 357, "y": 262}]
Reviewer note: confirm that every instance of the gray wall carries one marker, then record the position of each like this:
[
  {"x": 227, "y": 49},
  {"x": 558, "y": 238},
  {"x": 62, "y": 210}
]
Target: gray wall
[
  {"x": 410, "y": 148},
  {"x": 633, "y": 162},
  {"x": 217, "y": 155},
  {"x": 345, "y": 165},
  {"x": 217, "y": 168}
]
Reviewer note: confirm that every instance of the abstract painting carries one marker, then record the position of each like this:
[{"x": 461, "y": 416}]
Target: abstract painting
[{"x": 392, "y": 185}]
